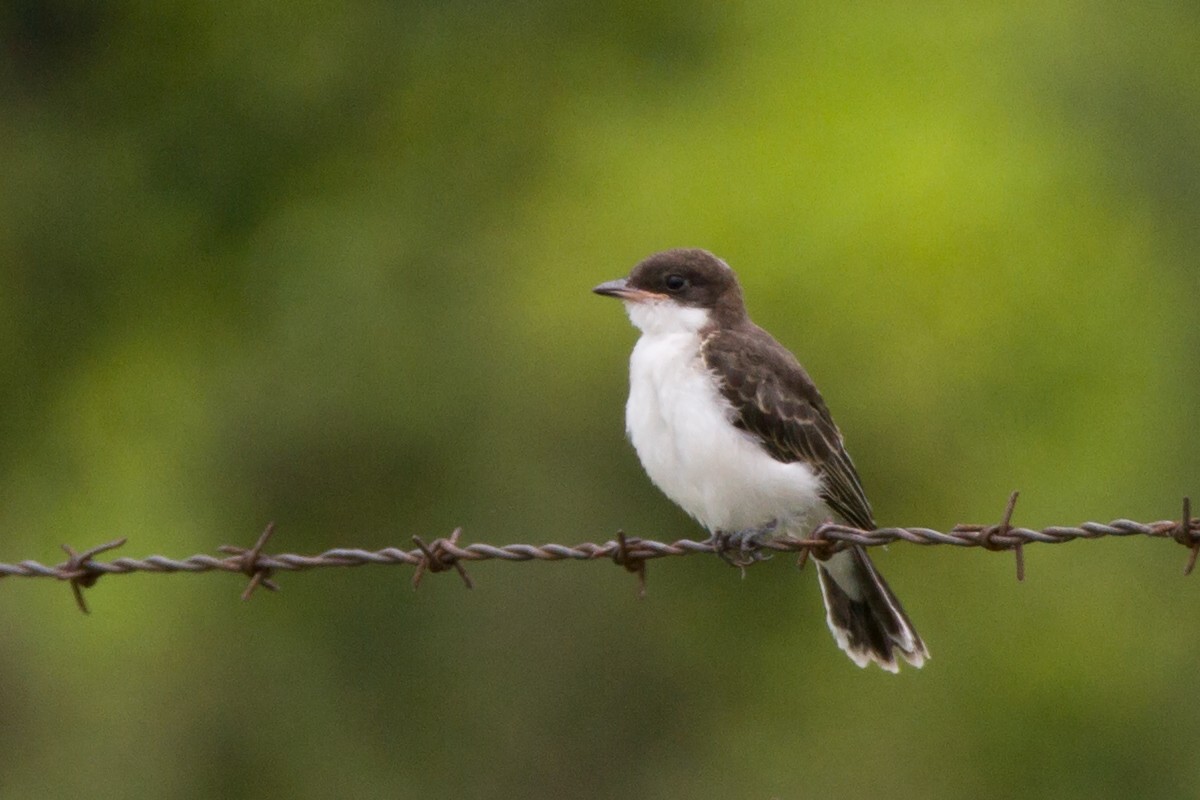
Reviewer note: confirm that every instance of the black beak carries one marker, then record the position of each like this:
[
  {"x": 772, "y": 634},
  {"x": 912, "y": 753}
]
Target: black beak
[
  {"x": 621, "y": 290},
  {"x": 617, "y": 288}
]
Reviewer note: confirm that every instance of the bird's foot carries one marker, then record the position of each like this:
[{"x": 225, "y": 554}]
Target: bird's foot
[{"x": 745, "y": 547}]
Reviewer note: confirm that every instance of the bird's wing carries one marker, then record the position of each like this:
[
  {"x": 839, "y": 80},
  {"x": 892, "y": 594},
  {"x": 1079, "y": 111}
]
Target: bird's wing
[{"x": 774, "y": 399}]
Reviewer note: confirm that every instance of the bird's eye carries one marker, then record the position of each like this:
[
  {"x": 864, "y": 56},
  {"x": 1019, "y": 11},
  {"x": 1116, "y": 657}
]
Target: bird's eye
[{"x": 676, "y": 283}]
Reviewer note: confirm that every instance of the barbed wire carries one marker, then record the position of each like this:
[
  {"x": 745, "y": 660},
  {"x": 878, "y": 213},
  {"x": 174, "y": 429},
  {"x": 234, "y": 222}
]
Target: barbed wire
[{"x": 82, "y": 570}]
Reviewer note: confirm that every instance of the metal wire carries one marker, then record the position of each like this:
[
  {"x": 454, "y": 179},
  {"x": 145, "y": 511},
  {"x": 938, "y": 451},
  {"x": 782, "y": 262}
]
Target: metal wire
[{"x": 82, "y": 570}]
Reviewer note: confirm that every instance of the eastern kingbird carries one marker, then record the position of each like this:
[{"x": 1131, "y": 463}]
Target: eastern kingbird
[{"x": 730, "y": 427}]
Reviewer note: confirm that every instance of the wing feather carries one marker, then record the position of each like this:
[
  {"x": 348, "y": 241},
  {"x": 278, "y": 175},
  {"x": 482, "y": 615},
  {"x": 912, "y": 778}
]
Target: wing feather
[{"x": 775, "y": 400}]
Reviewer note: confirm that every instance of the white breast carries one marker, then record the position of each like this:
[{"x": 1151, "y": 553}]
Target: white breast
[{"x": 680, "y": 426}]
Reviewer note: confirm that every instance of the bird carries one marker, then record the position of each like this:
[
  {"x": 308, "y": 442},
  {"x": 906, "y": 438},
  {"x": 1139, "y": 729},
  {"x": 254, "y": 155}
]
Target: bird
[{"x": 731, "y": 428}]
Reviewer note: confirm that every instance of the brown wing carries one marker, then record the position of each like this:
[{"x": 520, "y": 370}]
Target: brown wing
[{"x": 774, "y": 399}]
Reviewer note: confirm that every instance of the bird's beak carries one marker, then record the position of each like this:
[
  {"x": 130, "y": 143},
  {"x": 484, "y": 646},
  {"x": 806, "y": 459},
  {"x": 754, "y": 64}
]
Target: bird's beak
[{"x": 623, "y": 291}]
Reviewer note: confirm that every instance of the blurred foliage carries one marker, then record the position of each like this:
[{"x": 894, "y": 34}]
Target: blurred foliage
[{"x": 329, "y": 264}]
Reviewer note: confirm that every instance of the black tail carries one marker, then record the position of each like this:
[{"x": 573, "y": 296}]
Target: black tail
[{"x": 865, "y": 617}]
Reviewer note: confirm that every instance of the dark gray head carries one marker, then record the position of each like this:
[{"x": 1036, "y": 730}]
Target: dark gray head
[{"x": 686, "y": 277}]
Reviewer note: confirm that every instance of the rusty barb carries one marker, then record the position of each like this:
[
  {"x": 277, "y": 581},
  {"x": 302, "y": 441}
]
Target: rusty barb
[
  {"x": 439, "y": 557},
  {"x": 1187, "y": 537},
  {"x": 994, "y": 537},
  {"x": 82, "y": 570},
  {"x": 817, "y": 545},
  {"x": 249, "y": 562},
  {"x": 626, "y": 557}
]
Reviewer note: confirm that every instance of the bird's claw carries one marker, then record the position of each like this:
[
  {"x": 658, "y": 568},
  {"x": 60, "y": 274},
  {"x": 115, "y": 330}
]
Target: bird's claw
[{"x": 742, "y": 548}]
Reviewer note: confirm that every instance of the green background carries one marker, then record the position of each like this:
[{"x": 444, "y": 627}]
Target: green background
[{"x": 329, "y": 264}]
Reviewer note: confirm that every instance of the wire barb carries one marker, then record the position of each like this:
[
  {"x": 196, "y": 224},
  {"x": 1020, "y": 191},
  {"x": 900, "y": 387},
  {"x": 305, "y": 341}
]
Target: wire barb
[
  {"x": 1006, "y": 527},
  {"x": 438, "y": 557},
  {"x": 1183, "y": 534},
  {"x": 802, "y": 559},
  {"x": 250, "y": 562},
  {"x": 1003, "y": 536},
  {"x": 80, "y": 570},
  {"x": 817, "y": 545},
  {"x": 625, "y": 557}
]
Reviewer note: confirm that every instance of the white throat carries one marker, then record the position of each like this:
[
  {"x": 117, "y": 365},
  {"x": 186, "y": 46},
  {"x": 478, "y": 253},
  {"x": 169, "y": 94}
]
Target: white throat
[{"x": 666, "y": 317}]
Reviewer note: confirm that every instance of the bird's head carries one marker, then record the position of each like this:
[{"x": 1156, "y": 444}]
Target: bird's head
[{"x": 678, "y": 291}]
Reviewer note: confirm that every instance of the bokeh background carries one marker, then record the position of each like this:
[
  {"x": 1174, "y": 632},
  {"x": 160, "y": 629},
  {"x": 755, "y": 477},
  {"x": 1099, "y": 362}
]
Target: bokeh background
[{"x": 329, "y": 264}]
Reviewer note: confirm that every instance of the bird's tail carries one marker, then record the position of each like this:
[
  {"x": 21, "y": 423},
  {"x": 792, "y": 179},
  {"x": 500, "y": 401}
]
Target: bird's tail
[{"x": 865, "y": 617}]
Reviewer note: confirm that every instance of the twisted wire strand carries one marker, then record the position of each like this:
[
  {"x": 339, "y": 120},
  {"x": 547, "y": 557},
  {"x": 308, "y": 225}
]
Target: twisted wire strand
[
  {"x": 82, "y": 570},
  {"x": 638, "y": 549}
]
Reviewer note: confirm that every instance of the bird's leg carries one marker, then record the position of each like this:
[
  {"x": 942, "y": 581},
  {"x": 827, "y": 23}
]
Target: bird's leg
[{"x": 743, "y": 548}]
